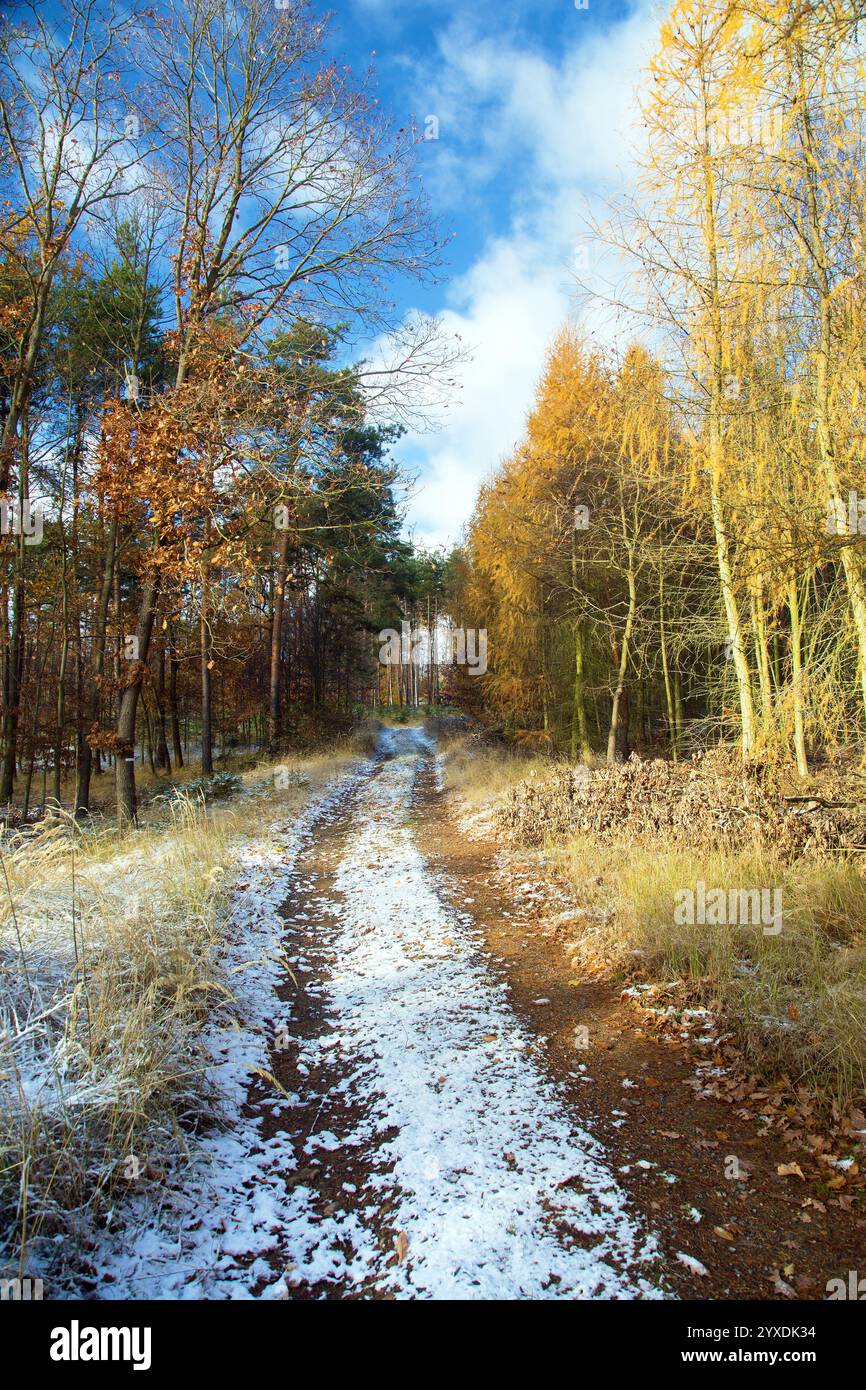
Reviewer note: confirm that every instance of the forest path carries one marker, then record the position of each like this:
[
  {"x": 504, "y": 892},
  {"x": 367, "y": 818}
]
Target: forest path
[
  {"x": 432, "y": 1154},
  {"x": 386, "y": 1124}
]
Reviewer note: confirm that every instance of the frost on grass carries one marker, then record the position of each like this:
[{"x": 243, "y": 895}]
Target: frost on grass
[
  {"x": 214, "y": 1229},
  {"x": 111, "y": 964}
]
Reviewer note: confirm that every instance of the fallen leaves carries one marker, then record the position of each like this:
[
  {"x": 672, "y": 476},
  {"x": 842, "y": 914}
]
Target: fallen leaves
[
  {"x": 790, "y": 1170},
  {"x": 793, "y": 1111},
  {"x": 696, "y": 803}
]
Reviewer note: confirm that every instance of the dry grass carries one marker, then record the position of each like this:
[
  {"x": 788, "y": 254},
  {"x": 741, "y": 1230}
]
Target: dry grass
[
  {"x": 796, "y": 1001},
  {"x": 110, "y": 965},
  {"x": 482, "y": 775},
  {"x": 249, "y": 765},
  {"x": 365, "y": 738}
]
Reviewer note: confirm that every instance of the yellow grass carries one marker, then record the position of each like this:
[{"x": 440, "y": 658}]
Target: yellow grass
[
  {"x": 796, "y": 1000},
  {"x": 483, "y": 775},
  {"x": 110, "y": 963}
]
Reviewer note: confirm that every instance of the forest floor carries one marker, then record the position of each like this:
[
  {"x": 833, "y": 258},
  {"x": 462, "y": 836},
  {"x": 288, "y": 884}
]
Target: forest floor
[{"x": 421, "y": 1101}]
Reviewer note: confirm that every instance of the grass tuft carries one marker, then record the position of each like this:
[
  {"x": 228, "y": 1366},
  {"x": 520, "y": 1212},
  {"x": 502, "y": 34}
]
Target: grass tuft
[
  {"x": 796, "y": 1001},
  {"x": 110, "y": 966}
]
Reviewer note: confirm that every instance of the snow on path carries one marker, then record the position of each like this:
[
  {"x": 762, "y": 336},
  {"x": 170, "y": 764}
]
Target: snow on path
[
  {"x": 460, "y": 1146},
  {"x": 214, "y": 1231},
  {"x": 498, "y": 1193}
]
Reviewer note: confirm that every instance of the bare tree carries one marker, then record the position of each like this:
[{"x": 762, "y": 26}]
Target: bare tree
[
  {"x": 289, "y": 195},
  {"x": 69, "y": 153}
]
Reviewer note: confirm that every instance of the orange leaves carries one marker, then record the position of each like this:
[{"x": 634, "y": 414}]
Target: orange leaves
[
  {"x": 573, "y": 407},
  {"x": 156, "y": 466},
  {"x": 790, "y": 1170}
]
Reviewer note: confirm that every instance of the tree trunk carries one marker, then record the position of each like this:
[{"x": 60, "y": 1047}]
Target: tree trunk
[
  {"x": 163, "y": 760},
  {"x": 206, "y": 682},
  {"x": 125, "y": 764},
  {"x": 848, "y": 552},
  {"x": 762, "y": 654},
  {"x": 15, "y": 656},
  {"x": 669, "y": 696},
  {"x": 85, "y": 760},
  {"x": 172, "y": 698},
  {"x": 579, "y": 733},
  {"x": 279, "y": 602},
  {"x": 797, "y": 678},
  {"x": 716, "y": 451},
  {"x": 623, "y": 656}
]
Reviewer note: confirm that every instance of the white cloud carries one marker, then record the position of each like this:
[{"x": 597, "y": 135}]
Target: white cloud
[
  {"x": 568, "y": 128},
  {"x": 514, "y": 301}
]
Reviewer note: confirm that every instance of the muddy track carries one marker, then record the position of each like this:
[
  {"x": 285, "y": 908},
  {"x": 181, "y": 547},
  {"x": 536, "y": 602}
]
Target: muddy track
[
  {"x": 404, "y": 1109},
  {"x": 326, "y": 1163},
  {"x": 427, "y": 1151}
]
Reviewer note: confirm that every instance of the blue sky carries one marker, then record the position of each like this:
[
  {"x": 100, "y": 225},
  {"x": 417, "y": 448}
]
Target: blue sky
[
  {"x": 536, "y": 121},
  {"x": 536, "y": 116}
]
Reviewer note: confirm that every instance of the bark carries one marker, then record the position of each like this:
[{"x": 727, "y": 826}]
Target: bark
[
  {"x": 579, "y": 733},
  {"x": 206, "y": 698},
  {"x": 716, "y": 451},
  {"x": 127, "y": 807},
  {"x": 624, "y": 646},
  {"x": 163, "y": 761},
  {"x": 762, "y": 653},
  {"x": 172, "y": 699},
  {"x": 206, "y": 681},
  {"x": 673, "y": 732},
  {"x": 14, "y": 434},
  {"x": 85, "y": 760},
  {"x": 621, "y": 669},
  {"x": 12, "y": 711},
  {"x": 848, "y": 553},
  {"x": 275, "y": 672},
  {"x": 60, "y": 711},
  {"x": 797, "y": 679}
]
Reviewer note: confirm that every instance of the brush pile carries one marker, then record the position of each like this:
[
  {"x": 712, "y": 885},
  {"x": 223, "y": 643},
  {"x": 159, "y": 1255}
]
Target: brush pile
[{"x": 708, "y": 802}]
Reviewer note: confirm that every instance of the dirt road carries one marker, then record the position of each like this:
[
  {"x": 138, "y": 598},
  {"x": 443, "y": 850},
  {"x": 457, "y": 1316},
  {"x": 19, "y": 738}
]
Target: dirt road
[
  {"x": 400, "y": 1137},
  {"x": 440, "y": 1161},
  {"x": 407, "y": 1109}
]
